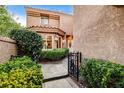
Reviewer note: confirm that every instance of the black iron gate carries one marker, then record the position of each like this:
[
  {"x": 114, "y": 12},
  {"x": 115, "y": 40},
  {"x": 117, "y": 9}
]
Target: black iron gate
[{"x": 74, "y": 60}]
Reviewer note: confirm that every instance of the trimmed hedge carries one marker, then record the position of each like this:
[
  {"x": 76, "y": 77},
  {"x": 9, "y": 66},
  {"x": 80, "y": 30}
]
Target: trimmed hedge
[
  {"x": 101, "y": 74},
  {"x": 54, "y": 55},
  {"x": 20, "y": 73},
  {"x": 28, "y": 43}
]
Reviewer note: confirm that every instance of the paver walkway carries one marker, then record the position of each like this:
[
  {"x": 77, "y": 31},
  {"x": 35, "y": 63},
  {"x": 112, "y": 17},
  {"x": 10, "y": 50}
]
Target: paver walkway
[{"x": 54, "y": 69}]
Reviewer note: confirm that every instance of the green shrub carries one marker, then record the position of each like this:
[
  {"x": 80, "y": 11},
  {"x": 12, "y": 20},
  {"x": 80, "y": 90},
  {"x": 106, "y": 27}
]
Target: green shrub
[
  {"x": 28, "y": 43},
  {"x": 20, "y": 73},
  {"x": 101, "y": 73},
  {"x": 55, "y": 54}
]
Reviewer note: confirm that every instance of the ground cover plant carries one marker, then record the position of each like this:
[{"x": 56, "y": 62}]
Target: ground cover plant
[
  {"x": 28, "y": 43},
  {"x": 20, "y": 73},
  {"x": 55, "y": 54},
  {"x": 100, "y": 73}
]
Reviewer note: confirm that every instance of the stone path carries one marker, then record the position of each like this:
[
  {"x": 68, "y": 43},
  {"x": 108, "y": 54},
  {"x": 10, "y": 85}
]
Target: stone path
[{"x": 54, "y": 69}]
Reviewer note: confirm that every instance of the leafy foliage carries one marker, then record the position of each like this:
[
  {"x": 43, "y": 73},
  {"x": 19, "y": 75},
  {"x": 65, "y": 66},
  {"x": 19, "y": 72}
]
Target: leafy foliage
[
  {"x": 55, "y": 54},
  {"x": 29, "y": 43},
  {"x": 101, "y": 73},
  {"x": 6, "y": 22},
  {"x": 20, "y": 73}
]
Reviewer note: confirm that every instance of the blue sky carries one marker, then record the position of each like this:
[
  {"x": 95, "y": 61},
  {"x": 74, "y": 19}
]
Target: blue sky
[{"x": 19, "y": 10}]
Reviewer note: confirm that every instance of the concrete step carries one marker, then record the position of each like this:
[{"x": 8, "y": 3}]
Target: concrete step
[{"x": 61, "y": 83}]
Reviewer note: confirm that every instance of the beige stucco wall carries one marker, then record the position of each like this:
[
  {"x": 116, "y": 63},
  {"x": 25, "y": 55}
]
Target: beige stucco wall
[
  {"x": 54, "y": 23},
  {"x": 66, "y": 24},
  {"x": 7, "y": 48},
  {"x": 33, "y": 21},
  {"x": 36, "y": 21},
  {"x": 99, "y": 32}
]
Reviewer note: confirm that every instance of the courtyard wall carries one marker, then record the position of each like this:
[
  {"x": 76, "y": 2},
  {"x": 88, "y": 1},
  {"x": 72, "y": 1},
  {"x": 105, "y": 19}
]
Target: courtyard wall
[
  {"x": 7, "y": 48},
  {"x": 99, "y": 32}
]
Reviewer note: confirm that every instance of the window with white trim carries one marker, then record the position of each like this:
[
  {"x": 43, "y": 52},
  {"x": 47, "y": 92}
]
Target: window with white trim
[
  {"x": 47, "y": 42},
  {"x": 44, "y": 20}
]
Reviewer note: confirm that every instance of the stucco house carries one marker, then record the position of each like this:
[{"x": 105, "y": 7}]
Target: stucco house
[
  {"x": 99, "y": 32},
  {"x": 56, "y": 28}
]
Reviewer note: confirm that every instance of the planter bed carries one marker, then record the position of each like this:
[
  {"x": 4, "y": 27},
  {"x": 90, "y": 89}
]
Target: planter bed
[{"x": 54, "y": 55}]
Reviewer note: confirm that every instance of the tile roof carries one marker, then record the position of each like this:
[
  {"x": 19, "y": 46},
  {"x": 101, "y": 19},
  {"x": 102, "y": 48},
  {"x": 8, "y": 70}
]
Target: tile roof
[
  {"x": 43, "y": 26},
  {"x": 47, "y": 29}
]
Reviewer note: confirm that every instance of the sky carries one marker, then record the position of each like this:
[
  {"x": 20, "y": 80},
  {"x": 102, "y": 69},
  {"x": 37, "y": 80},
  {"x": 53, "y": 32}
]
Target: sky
[{"x": 20, "y": 16}]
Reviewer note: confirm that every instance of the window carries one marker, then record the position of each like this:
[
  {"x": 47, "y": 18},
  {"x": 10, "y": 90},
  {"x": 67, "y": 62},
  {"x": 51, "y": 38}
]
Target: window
[
  {"x": 44, "y": 20},
  {"x": 47, "y": 42},
  {"x": 59, "y": 42}
]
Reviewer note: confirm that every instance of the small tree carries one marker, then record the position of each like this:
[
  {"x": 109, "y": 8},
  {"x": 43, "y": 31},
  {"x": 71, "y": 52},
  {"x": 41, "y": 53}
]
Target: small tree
[
  {"x": 28, "y": 43},
  {"x": 6, "y": 21}
]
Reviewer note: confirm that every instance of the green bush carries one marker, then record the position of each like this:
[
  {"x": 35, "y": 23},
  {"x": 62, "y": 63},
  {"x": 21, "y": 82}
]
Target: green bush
[
  {"x": 55, "y": 54},
  {"x": 28, "y": 43},
  {"x": 101, "y": 73},
  {"x": 20, "y": 73}
]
